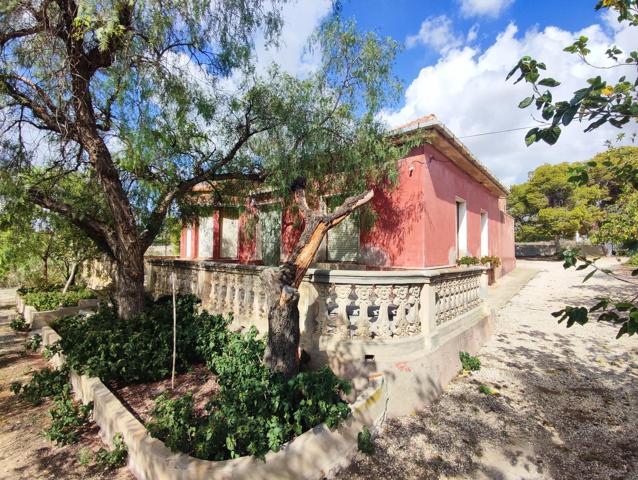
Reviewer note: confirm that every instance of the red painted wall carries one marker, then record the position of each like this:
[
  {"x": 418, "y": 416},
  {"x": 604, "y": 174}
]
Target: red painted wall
[{"x": 416, "y": 220}]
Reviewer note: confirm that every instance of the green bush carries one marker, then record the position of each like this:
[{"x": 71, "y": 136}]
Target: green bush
[
  {"x": 485, "y": 390},
  {"x": 50, "y": 300},
  {"x": 255, "y": 411},
  {"x": 469, "y": 362},
  {"x": 33, "y": 342},
  {"x": 468, "y": 261},
  {"x": 141, "y": 349},
  {"x": 44, "y": 383},
  {"x": 115, "y": 458},
  {"x": 633, "y": 260},
  {"x": 68, "y": 418},
  {"x": 19, "y": 324},
  {"x": 364, "y": 441}
]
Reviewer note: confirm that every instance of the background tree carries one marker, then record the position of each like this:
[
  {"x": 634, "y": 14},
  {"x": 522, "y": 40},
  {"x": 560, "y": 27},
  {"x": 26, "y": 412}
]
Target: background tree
[
  {"x": 550, "y": 207},
  {"x": 597, "y": 103},
  {"x": 38, "y": 247}
]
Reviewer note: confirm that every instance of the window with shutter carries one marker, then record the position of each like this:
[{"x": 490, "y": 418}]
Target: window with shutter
[
  {"x": 269, "y": 234},
  {"x": 343, "y": 240},
  {"x": 205, "y": 245},
  {"x": 229, "y": 235}
]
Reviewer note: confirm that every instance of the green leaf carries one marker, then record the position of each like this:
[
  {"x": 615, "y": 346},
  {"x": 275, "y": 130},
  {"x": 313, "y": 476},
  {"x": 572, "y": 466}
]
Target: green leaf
[
  {"x": 526, "y": 103},
  {"x": 549, "y": 82},
  {"x": 531, "y": 136},
  {"x": 589, "y": 275}
]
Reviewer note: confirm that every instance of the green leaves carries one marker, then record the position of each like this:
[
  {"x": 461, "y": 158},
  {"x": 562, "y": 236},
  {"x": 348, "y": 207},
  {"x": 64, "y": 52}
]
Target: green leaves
[{"x": 549, "y": 82}]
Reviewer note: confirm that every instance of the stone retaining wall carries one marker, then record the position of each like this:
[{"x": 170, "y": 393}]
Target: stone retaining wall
[{"x": 316, "y": 454}]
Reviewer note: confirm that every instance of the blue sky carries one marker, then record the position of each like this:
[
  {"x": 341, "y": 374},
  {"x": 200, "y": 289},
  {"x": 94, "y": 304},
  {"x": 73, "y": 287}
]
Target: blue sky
[
  {"x": 402, "y": 18},
  {"x": 454, "y": 62}
]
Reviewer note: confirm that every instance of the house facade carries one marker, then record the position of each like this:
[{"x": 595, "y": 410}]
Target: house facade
[{"x": 445, "y": 205}]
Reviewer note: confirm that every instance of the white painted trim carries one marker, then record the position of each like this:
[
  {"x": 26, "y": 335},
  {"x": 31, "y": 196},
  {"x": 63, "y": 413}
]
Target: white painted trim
[
  {"x": 485, "y": 233},
  {"x": 460, "y": 216}
]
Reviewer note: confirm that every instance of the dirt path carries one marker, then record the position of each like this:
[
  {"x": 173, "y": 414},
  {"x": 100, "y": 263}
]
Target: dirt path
[
  {"x": 565, "y": 409},
  {"x": 24, "y": 451}
]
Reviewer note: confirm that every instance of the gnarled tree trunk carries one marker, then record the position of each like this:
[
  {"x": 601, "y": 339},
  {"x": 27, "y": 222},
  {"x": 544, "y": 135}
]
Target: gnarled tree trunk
[
  {"x": 129, "y": 287},
  {"x": 282, "y": 284}
]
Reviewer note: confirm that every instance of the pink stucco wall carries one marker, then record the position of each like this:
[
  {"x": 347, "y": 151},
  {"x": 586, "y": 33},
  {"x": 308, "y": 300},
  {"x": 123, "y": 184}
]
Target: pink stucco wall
[{"x": 415, "y": 225}]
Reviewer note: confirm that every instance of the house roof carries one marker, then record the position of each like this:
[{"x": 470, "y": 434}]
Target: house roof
[{"x": 448, "y": 144}]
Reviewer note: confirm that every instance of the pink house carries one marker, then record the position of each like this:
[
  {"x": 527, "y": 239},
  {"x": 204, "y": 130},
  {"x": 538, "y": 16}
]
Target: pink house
[{"x": 446, "y": 205}]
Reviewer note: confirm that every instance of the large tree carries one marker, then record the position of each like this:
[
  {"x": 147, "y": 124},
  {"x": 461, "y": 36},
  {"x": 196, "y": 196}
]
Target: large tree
[{"x": 148, "y": 99}]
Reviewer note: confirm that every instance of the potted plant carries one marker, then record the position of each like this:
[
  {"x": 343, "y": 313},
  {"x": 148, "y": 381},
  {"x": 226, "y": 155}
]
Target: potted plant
[{"x": 467, "y": 261}]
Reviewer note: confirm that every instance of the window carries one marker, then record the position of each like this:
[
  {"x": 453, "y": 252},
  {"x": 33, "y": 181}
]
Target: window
[
  {"x": 343, "y": 240},
  {"x": 268, "y": 248},
  {"x": 189, "y": 241},
  {"x": 484, "y": 235},
  {"x": 229, "y": 225},
  {"x": 461, "y": 228},
  {"x": 205, "y": 240}
]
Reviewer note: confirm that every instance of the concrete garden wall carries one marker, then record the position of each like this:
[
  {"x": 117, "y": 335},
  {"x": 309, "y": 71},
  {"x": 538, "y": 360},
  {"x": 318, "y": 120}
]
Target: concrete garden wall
[{"x": 313, "y": 455}]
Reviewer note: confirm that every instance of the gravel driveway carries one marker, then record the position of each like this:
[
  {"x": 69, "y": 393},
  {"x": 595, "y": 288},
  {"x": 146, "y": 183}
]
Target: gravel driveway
[{"x": 565, "y": 408}]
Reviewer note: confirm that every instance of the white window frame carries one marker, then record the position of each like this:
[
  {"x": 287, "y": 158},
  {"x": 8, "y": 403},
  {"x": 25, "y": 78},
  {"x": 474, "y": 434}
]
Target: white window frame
[
  {"x": 460, "y": 216},
  {"x": 485, "y": 233}
]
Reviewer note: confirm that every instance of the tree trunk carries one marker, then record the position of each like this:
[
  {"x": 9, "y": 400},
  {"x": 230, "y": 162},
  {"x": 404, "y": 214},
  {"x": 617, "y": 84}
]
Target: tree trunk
[
  {"x": 129, "y": 287},
  {"x": 71, "y": 278},
  {"x": 282, "y": 284}
]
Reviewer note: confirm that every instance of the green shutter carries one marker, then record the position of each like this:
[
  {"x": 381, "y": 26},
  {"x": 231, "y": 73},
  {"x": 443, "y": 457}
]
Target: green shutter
[
  {"x": 343, "y": 240},
  {"x": 270, "y": 234}
]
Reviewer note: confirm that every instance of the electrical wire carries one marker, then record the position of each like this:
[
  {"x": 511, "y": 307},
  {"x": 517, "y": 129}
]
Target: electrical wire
[{"x": 502, "y": 131}]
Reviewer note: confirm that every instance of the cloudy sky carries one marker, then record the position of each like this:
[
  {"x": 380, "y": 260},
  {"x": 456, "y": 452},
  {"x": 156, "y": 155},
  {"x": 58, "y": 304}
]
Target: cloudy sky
[{"x": 456, "y": 54}]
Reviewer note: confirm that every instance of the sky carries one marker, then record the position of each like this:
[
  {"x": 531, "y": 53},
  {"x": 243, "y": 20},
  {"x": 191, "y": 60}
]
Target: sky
[{"x": 454, "y": 59}]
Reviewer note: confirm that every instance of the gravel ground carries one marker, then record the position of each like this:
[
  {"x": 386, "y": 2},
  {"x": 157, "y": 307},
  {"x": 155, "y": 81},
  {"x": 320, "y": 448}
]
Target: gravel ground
[
  {"x": 24, "y": 451},
  {"x": 564, "y": 406}
]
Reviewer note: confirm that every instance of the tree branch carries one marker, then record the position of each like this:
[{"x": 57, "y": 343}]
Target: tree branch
[{"x": 96, "y": 230}]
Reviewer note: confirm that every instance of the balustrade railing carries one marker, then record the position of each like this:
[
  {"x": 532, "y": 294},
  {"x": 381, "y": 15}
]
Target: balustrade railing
[{"x": 344, "y": 304}]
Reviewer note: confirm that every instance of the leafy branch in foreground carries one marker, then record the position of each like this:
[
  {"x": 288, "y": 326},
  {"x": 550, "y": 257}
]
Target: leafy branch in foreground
[
  {"x": 597, "y": 103},
  {"x": 621, "y": 312}
]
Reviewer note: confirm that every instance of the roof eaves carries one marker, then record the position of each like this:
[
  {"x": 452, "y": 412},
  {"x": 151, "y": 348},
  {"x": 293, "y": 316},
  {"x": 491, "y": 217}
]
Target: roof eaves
[{"x": 436, "y": 124}]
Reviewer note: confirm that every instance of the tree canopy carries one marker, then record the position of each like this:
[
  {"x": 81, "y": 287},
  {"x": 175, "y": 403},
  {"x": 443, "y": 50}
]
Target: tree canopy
[
  {"x": 560, "y": 200},
  {"x": 145, "y": 100}
]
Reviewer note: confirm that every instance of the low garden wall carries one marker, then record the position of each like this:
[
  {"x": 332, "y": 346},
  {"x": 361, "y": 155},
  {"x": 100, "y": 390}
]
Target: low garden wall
[
  {"x": 408, "y": 325},
  {"x": 313, "y": 455},
  {"x": 550, "y": 249}
]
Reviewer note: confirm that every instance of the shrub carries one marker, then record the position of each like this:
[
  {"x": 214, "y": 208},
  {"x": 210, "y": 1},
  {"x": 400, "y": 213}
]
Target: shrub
[
  {"x": 44, "y": 383},
  {"x": 633, "y": 260},
  {"x": 68, "y": 418},
  {"x": 115, "y": 458},
  {"x": 468, "y": 261},
  {"x": 141, "y": 349},
  {"x": 175, "y": 422},
  {"x": 364, "y": 441},
  {"x": 50, "y": 300},
  {"x": 254, "y": 411},
  {"x": 50, "y": 351},
  {"x": 33, "y": 342},
  {"x": 19, "y": 324},
  {"x": 485, "y": 390},
  {"x": 469, "y": 362},
  {"x": 491, "y": 259}
]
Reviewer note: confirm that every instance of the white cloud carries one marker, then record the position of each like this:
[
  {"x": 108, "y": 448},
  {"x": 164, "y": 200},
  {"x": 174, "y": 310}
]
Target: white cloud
[
  {"x": 437, "y": 33},
  {"x": 467, "y": 90},
  {"x": 488, "y": 8}
]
